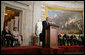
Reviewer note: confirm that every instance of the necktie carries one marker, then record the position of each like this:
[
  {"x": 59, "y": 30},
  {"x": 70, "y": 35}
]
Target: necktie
[{"x": 47, "y": 23}]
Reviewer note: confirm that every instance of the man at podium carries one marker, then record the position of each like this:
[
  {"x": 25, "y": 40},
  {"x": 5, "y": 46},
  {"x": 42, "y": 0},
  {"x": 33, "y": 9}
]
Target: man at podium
[{"x": 45, "y": 24}]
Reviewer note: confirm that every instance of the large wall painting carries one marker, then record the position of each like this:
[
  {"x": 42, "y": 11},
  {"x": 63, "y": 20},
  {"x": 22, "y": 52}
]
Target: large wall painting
[{"x": 68, "y": 21}]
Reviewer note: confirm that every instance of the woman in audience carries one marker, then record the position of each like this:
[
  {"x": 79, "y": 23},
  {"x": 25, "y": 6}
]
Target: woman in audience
[{"x": 16, "y": 35}]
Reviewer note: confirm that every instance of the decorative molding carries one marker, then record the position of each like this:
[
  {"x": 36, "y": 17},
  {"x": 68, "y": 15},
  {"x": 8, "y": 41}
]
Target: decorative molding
[
  {"x": 17, "y": 4},
  {"x": 65, "y": 4}
]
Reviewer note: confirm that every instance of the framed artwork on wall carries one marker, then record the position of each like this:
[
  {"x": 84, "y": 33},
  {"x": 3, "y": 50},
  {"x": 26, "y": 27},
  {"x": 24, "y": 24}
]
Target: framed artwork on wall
[{"x": 69, "y": 20}]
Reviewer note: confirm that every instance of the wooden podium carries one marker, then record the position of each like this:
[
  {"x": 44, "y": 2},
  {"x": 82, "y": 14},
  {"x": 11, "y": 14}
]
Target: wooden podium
[{"x": 51, "y": 40}]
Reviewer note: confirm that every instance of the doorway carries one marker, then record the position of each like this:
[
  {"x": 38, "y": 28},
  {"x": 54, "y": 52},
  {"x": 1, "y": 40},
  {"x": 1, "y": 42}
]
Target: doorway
[{"x": 12, "y": 18}]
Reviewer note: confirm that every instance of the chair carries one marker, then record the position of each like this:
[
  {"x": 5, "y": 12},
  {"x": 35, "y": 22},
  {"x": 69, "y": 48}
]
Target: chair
[
  {"x": 3, "y": 41},
  {"x": 21, "y": 37},
  {"x": 16, "y": 41}
]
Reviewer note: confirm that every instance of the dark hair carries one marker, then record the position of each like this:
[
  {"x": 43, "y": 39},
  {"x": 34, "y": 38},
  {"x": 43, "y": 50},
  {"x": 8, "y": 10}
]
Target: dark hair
[{"x": 14, "y": 28}]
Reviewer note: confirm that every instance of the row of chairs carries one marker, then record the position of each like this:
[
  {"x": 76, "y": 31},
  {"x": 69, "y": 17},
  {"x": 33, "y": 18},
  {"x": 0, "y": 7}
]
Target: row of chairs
[{"x": 15, "y": 43}]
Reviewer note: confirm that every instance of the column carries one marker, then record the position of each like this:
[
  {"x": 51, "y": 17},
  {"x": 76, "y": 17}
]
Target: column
[
  {"x": 16, "y": 22},
  {"x": 2, "y": 15},
  {"x": 12, "y": 25}
]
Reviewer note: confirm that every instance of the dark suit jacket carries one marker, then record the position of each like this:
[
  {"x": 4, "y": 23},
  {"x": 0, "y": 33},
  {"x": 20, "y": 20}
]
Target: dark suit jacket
[
  {"x": 72, "y": 37},
  {"x": 66, "y": 36},
  {"x": 4, "y": 33},
  {"x": 42, "y": 35},
  {"x": 59, "y": 36},
  {"x": 45, "y": 25}
]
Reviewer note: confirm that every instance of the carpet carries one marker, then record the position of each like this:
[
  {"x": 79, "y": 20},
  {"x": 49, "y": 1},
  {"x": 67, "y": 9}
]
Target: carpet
[{"x": 30, "y": 50}]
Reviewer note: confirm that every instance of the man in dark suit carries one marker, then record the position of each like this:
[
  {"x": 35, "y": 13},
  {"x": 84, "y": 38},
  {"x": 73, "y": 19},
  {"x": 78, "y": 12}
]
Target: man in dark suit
[
  {"x": 7, "y": 36},
  {"x": 66, "y": 39},
  {"x": 82, "y": 37},
  {"x": 45, "y": 24},
  {"x": 73, "y": 39},
  {"x": 60, "y": 39}
]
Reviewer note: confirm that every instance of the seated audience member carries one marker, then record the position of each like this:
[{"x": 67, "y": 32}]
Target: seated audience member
[
  {"x": 60, "y": 39},
  {"x": 82, "y": 37},
  {"x": 73, "y": 40},
  {"x": 66, "y": 39},
  {"x": 69, "y": 39},
  {"x": 16, "y": 35},
  {"x": 79, "y": 40},
  {"x": 8, "y": 36}
]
